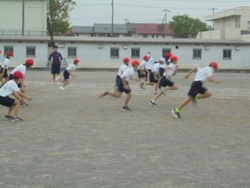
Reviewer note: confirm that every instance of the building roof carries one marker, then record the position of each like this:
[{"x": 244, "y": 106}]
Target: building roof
[
  {"x": 82, "y": 29},
  {"x": 238, "y": 11},
  {"x": 131, "y": 26},
  {"x": 107, "y": 28},
  {"x": 153, "y": 28}
]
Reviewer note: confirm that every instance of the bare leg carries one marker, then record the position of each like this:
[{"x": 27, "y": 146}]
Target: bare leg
[
  {"x": 14, "y": 107},
  {"x": 66, "y": 82},
  {"x": 174, "y": 87},
  {"x": 129, "y": 95},
  {"x": 185, "y": 102},
  {"x": 157, "y": 96},
  {"x": 205, "y": 95}
]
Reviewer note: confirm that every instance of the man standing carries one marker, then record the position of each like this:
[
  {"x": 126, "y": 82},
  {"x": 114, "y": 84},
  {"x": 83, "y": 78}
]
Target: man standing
[
  {"x": 149, "y": 65},
  {"x": 55, "y": 62}
]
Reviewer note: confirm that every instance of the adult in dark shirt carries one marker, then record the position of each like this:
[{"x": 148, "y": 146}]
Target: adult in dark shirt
[{"x": 55, "y": 62}]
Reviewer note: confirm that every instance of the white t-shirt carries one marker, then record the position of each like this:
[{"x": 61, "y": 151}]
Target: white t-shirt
[
  {"x": 128, "y": 73},
  {"x": 142, "y": 65},
  {"x": 122, "y": 69},
  {"x": 21, "y": 68},
  {"x": 171, "y": 69},
  {"x": 203, "y": 73},
  {"x": 156, "y": 67},
  {"x": 8, "y": 88},
  {"x": 163, "y": 65},
  {"x": 149, "y": 63},
  {"x": 6, "y": 63},
  {"x": 71, "y": 67}
]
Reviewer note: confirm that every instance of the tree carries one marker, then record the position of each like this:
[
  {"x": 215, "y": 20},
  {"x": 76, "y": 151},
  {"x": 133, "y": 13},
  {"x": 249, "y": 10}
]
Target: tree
[
  {"x": 58, "y": 17},
  {"x": 186, "y": 27}
]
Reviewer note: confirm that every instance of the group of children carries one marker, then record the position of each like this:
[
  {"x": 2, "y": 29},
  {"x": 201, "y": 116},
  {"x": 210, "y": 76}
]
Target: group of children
[
  {"x": 160, "y": 77},
  {"x": 13, "y": 84}
]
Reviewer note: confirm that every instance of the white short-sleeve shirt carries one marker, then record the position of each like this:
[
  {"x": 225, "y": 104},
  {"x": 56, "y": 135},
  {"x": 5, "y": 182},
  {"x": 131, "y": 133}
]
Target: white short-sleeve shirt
[
  {"x": 143, "y": 65},
  {"x": 128, "y": 73},
  {"x": 122, "y": 69},
  {"x": 8, "y": 88},
  {"x": 6, "y": 63},
  {"x": 156, "y": 67},
  {"x": 171, "y": 69},
  {"x": 203, "y": 73},
  {"x": 149, "y": 63},
  {"x": 71, "y": 67},
  {"x": 21, "y": 68}
]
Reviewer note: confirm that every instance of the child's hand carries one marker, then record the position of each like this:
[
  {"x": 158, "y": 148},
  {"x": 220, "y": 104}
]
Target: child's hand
[{"x": 29, "y": 98}]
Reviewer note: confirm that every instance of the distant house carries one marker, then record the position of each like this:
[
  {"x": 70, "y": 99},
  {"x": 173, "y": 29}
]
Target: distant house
[{"x": 230, "y": 24}]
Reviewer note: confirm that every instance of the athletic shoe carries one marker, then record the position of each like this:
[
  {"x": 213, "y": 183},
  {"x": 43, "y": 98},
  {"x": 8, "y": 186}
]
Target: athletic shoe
[
  {"x": 24, "y": 105},
  {"x": 152, "y": 103},
  {"x": 155, "y": 93},
  {"x": 62, "y": 88},
  {"x": 194, "y": 100},
  {"x": 103, "y": 94},
  {"x": 16, "y": 119},
  {"x": 142, "y": 85},
  {"x": 125, "y": 108},
  {"x": 176, "y": 113},
  {"x": 52, "y": 83},
  {"x": 164, "y": 91},
  {"x": 8, "y": 117}
]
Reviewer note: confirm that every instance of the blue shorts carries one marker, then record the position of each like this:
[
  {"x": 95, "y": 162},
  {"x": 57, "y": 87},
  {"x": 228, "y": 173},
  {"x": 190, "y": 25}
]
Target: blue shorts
[
  {"x": 7, "y": 101},
  {"x": 164, "y": 82},
  {"x": 122, "y": 89},
  {"x": 5, "y": 74},
  {"x": 11, "y": 78},
  {"x": 117, "y": 80},
  {"x": 65, "y": 75},
  {"x": 152, "y": 78},
  {"x": 196, "y": 88},
  {"x": 141, "y": 73},
  {"x": 161, "y": 71},
  {"x": 55, "y": 69}
]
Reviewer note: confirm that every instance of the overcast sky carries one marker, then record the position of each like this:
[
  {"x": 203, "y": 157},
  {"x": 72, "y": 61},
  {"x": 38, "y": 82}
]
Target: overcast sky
[{"x": 86, "y": 13}]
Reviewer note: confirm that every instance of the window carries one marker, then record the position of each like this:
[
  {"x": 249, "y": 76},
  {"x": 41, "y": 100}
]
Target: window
[
  {"x": 30, "y": 51},
  {"x": 237, "y": 23},
  {"x": 165, "y": 50},
  {"x": 153, "y": 36},
  {"x": 72, "y": 52},
  {"x": 145, "y": 36},
  {"x": 248, "y": 25},
  {"x": 227, "y": 54},
  {"x": 135, "y": 53},
  {"x": 114, "y": 52},
  {"x": 197, "y": 53},
  {"x": 8, "y": 49},
  {"x": 101, "y": 35}
]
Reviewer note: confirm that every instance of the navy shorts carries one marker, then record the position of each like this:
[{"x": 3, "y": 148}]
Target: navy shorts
[
  {"x": 117, "y": 80},
  {"x": 7, "y": 101},
  {"x": 141, "y": 73},
  {"x": 152, "y": 78},
  {"x": 122, "y": 89},
  {"x": 5, "y": 74},
  {"x": 164, "y": 82},
  {"x": 65, "y": 74},
  {"x": 161, "y": 71},
  {"x": 196, "y": 88},
  {"x": 55, "y": 69},
  {"x": 11, "y": 78}
]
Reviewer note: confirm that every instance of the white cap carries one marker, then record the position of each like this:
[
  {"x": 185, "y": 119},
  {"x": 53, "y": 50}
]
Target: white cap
[{"x": 162, "y": 59}]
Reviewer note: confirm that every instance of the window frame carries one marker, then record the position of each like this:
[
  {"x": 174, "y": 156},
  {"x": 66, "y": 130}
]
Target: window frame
[
  {"x": 197, "y": 53},
  {"x": 135, "y": 53},
  {"x": 73, "y": 48},
  {"x": 8, "y": 49},
  {"x": 114, "y": 53},
  {"x": 227, "y": 54},
  {"x": 30, "y": 48}
]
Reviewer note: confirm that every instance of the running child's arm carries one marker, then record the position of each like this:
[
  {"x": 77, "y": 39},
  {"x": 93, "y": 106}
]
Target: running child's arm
[
  {"x": 191, "y": 71},
  {"x": 71, "y": 74},
  {"x": 210, "y": 79},
  {"x": 166, "y": 71},
  {"x": 136, "y": 79},
  {"x": 24, "y": 96},
  {"x": 124, "y": 83},
  {"x": 15, "y": 94},
  {"x": 176, "y": 69}
]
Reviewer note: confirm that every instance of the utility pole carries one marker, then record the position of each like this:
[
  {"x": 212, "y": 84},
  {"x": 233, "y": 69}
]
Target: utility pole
[
  {"x": 165, "y": 20},
  {"x": 112, "y": 27},
  {"x": 213, "y": 13},
  {"x": 23, "y": 18}
]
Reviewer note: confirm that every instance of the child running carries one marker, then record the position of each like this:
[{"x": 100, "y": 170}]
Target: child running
[
  {"x": 201, "y": 76},
  {"x": 124, "y": 84},
  {"x": 4, "y": 67},
  {"x": 165, "y": 81},
  {"x": 121, "y": 69},
  {"x": 142, "y": 71},
  {"x": 10, "y": 88},
  {"x": 68, "y": 72},
  {"x": 154, "y": 75}
]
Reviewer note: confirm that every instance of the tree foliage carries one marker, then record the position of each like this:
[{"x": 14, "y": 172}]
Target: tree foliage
[
  {"x": 185, "y": 27},
  {"x": 58, "y": 16}
]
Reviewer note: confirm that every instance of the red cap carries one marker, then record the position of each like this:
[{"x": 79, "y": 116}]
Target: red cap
[
  {"x": 18, "y": 74},
  {"x": 76, "y": 60},
  {"x": 173, "y": 58},
  {"x": 135, "y": 62},
  {"x": 8, "y": 54},
  {"x": 168, "y": 54},
  {"x": 145, "y": 57},
  {"x": 126, "y": 59},
  {"x": 29, "y": 62},
  {"x": 0, "y": 51},
  {"x": 214, "y": 64}
]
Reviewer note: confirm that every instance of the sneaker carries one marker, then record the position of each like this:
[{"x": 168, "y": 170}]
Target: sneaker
[
  {"x": 176, "y": 114},
  {"x": 141, "y": 85},
  {"x": 155, "y": 93},
  {"x": 125, "y": 108},
  {"x": 194, "y": 100},
  {"x": 164, "y": 91},
  {"x": 62, "y": 88},
  {"x": 103, "y": 94},
  {"x": 8, "y": 117},
  {"x": 152, "y": 103},
  {"x": 24, "y": 105},
  {"x": 52, "y": 83},
  {"x": 16, "y": 119}
]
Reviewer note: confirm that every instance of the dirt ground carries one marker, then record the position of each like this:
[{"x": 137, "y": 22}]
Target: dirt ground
[{"x": 74, "y": 139}]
